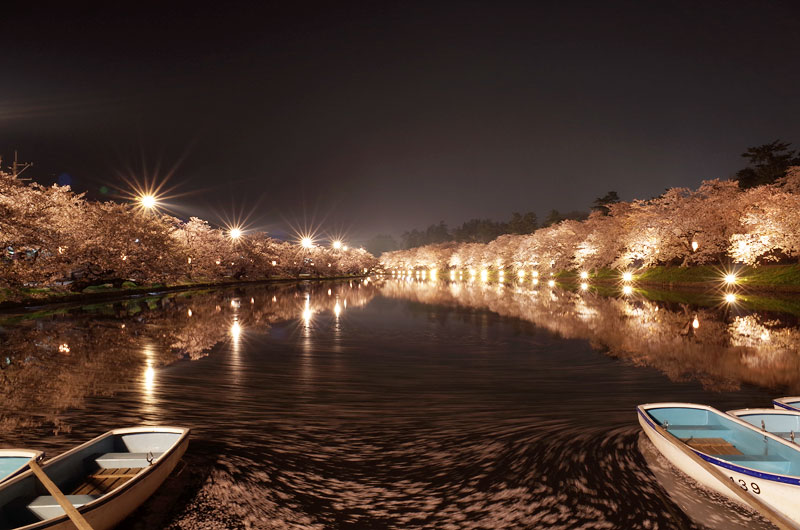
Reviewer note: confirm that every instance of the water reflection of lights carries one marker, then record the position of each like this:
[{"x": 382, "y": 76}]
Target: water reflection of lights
[
  {"x": 236, "y": 330},
  {"x": 551, "y": 283},
  {"x": 149, "y": 402},
  {"x": 730, "y": 298},
  {"x": 584, "y": 286},
  {"x": 63, "y": 348},
  {"x": 535, "y": 274},
  {"x": 484, "y": 275},
  {"x": 520, "y": 274},
  {"x": 149, "y": 378},
  {"x": 307, "y": 314},
  {"x": 627, "y": 290},
  {"x": 189, "y": 312},
  {"x": 536, "y": 281},
  {"x": 337, "y": 309},
  {"x": 453, "y": 275}
]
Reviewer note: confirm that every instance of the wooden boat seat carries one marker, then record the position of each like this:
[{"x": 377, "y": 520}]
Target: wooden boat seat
[
  {"x": 712, "y": 446},
  {"x": 104, "y": 480},
  {"x": 118, "y": 460},
  {"x": 46, "y": 506}
]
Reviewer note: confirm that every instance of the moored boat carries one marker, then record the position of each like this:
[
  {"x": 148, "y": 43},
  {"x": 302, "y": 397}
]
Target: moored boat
[
  {"x": 728, "y": 455},
  {"x": 780, "y": 422},
  {"x": 787, "y": 403},
  {"x": 15, "y": 461},
  {"x": 105, "y": 479}
]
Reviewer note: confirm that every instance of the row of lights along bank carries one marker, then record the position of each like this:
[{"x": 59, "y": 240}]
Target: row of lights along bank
[{"x": 729, "y": 279}]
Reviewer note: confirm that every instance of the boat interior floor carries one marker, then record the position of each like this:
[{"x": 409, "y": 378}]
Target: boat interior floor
[
  {"x": 105, "y": 480},
  {"x": 712, "y": 446}
]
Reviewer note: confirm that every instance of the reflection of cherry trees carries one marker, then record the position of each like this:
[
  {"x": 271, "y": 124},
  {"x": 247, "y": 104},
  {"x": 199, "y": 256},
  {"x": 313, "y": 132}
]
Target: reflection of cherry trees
[
  {"x": 50, "y": 236},
  {"x": 55, "y": 362},
  {"x": 680, "y": 227},
  {"x": 685, "y": 343}
]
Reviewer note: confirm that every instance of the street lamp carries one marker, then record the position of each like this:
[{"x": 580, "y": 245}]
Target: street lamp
[
  {"x": 307, "y": 242},
  {"x": 337, "y": 244},
  {"x": 148, "y": 201}
]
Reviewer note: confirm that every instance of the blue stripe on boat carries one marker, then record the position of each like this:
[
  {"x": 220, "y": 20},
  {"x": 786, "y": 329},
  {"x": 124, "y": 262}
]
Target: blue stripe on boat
[{"x": 785, "y": 406}]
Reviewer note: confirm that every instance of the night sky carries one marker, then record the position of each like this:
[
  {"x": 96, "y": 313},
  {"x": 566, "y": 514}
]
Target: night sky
[{"x": 369, "y": 118}]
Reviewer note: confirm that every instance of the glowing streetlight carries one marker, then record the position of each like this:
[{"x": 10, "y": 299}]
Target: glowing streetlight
[
  {"x": 730, "y": 278},
  {"x": 627, "y": 276},
  {"x": 551, "y": 283},
  {"x": 694, "y": 246},
  {"x": 337, "y": 244},
  {"x": 148, "y": 201},
  {"x": 695, "y": 323},
  {"x": 235, "y": 233},
  {"x": 307, "y": 242},
  {"x": 584, "y": 286},
  {"x": 520, "y": 274},
  {"x": 584, "y": 275}
]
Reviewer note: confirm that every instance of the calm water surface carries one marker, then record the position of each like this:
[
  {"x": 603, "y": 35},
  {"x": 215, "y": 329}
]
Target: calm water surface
[{"x": 394, "y": 404}]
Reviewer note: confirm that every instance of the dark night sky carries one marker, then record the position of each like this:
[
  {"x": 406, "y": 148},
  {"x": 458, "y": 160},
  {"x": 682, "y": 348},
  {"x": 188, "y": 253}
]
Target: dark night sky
[{"x": 382, "y": 118}]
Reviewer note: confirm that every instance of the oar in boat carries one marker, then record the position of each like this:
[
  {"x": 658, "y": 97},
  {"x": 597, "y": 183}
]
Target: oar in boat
[
  {"x": 74, "y": 515},
  {"x": 757, "y": 504}
]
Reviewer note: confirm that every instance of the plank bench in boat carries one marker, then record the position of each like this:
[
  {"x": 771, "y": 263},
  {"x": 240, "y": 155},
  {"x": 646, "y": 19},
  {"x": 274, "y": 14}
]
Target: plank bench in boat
[
  {"x": 105, "y": 480},
  {"x": 712, "y": 446}
]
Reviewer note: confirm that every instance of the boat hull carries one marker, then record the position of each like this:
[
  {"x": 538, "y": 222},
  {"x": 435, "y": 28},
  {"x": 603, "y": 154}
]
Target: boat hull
[{"x": 778, "y": 491}]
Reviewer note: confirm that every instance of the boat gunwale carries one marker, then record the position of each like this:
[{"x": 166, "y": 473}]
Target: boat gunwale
[
  {"x": 737, "y": 413},
  {"x": 793, "y": 480},
  {"x": 116, "y": 492},
  {"x": 782, "y": 403}
]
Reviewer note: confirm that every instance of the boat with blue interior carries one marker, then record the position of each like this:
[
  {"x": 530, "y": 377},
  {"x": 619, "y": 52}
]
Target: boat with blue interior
[
  {"x": 780, "y": 422},
  {"x": 720, "y": 451},
  {"x": 103, "y": 480}
]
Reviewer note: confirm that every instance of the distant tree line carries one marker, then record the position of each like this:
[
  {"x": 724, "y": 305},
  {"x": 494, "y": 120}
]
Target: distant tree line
[
  {"x": 751, "y": 218},
  {"x": 472, "y": 231}
]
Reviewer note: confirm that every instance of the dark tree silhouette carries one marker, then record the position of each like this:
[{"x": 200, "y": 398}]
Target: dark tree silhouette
[
  {"x": 768, "y": 163},
  {"x": 601, "y": 203}
]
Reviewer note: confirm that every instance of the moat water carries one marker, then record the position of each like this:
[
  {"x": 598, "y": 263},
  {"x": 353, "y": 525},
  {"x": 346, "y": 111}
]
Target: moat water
[{"x": 396, "y": 403}]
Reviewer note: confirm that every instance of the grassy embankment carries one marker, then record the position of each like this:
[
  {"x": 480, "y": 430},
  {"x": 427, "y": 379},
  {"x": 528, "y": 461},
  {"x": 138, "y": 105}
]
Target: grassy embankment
[
  {"x": 34, "y": 296},
  {"x": 766, "y": 288}
]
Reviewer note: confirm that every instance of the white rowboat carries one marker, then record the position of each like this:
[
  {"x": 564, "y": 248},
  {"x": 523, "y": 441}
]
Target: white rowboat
[
  {"x": 105, "y": 479},
  {"x": 728, "y": 455}
]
